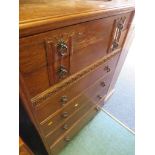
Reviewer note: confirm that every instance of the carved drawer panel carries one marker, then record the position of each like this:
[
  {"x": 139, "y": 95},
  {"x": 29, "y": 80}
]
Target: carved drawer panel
[
  {"x": 60, "y": 53},
  {"x": 50, "y": 101}
]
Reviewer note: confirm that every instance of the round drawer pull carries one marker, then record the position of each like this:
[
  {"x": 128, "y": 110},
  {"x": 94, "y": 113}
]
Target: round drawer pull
[
  {"x": 64, "y": 100},
  {"x": 65, "y": 127},
  {"x": 99, "y": 97},
  {"x": 62, "y": 48},
  {"x": 107, "y": 69},
  {"x": 102, "y": 84},
  {"x": 76, "y": 105},
  {"x": 62, "y": 72},
  {"x": 67, "y": 139},
  {"x": 97, "y": 108},
  {"x": 65, "y": 114}
]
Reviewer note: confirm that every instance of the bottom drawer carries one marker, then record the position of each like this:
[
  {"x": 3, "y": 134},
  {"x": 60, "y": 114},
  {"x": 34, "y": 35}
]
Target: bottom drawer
[
  {"x": 66, "y": 138},
  {"x": 65, "y": 126}
]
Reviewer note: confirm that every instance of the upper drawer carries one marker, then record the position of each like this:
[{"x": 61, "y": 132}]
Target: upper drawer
[{"x": 63, "y": 52}]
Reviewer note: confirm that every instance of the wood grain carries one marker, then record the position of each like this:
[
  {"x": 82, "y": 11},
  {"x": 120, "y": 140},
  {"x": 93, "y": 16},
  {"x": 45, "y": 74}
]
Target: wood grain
[{"x": 67, "y": 54}]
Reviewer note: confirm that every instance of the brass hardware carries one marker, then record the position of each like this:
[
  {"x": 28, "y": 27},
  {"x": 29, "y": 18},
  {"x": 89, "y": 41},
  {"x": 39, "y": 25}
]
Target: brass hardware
[
  {"x": 76, "y": 105},
  {"x": 120, "y": 26},
  {"x": 62, "y": 72},
  {"x": 65, "y": 114},
  {"x": 64, "y": 100},
  {"x": 50, "y": 123},
  {"x": 106, "y": 68},
  {"x": 102, "y": 84},
  {"x": 114, "y": 45},
  {"x": 97, "y": 108},
  {"x": 118, "y": 30},
  {"x": 62, "y": 48},
  {"x": 65, "y": 127},
  {"x": 67, "y": 139},
  {"x": 99, "y": 97}
]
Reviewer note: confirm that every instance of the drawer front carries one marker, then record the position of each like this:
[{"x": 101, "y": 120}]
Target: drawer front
[
  {"x": 66, "y": 138},
  {"x": 73, "y": 47},
  {"x": 60, "y": 116},
  {"x": 98, "y": 91},
  {"x": 54, "y": 102},
  {"x": 65, "y": 126},
  {"x": 89, "y": 97}
]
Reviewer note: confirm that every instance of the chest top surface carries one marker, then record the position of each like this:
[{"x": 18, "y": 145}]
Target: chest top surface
[{"x": 44, "y": 13}]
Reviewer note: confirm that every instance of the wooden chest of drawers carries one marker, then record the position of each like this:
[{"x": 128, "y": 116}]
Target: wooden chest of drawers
[{"x": 67, "y": 62}]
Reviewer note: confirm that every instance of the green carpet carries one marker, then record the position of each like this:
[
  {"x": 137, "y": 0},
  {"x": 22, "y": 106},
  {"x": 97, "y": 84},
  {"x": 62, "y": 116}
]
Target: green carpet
[{"x": 102, "y": 136}]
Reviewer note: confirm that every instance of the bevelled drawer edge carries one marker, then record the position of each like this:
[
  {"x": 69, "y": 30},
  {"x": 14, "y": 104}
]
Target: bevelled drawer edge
[{"x": 72, "y": 79}]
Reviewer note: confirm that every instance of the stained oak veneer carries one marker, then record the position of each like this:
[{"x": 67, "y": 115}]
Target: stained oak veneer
[{"x": 69, "y": 51}]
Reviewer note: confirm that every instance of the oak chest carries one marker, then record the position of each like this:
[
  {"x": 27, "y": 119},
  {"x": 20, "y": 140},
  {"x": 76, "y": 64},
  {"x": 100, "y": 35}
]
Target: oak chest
[{"x": 69, "y": 52}]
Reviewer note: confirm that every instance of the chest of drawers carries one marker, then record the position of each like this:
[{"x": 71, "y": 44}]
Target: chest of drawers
[{"x": 69, "y": 51}]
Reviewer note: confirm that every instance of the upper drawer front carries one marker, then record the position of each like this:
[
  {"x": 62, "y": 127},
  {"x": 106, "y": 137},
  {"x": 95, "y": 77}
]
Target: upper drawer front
[
  {"x": 56, "y": 101},
  {"x": 59, "y": 53}
]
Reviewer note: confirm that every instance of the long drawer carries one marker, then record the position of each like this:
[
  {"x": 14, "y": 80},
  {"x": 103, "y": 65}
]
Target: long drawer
[
  {"x": 56, "y": 102},
  {"x": 66, "y": 138},
  {"x": 50, "y": 57}
]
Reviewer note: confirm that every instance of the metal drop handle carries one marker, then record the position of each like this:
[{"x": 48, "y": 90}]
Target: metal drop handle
[
  {"x": 99, "y": 97},
  {"x": 107, "y": 69},
  {"x": 65, "y": 114},
  {"x": 67, "y": 139},
  {"x": 62, "y": 48},
  {"x": 65, "y": 127},
  {"x": 64, "y": 100},
  {"x": 102, "y": 84},
  {"x": 62, "y": 72}
]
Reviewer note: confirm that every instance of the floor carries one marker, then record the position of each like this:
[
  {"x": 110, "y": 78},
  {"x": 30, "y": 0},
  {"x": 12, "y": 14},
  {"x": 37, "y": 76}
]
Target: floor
[
  {"x": 102, "y": 136},
  {"x": 122, "y": 103}
]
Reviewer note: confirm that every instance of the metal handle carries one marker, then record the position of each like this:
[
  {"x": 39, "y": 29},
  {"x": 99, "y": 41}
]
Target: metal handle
[
  {"x": 65, "y": 114},
  {"x": 97, "y": 108},
  {"x": 114, "y": 45},
  {"x": 76, "y": 105},
  {"x": 65, "y": 127},
  {"x": 99, "y": 97},
  {"x": 120, "y": 26},
  {"x": 64, "y": 100},
  {"x": 106, "y": 68},
  {"x": 102, "y": 84},
  {"x": 67, "y": 139},
  {"x": 62, "y": 48},
  {"x": 62, "y": 72}
]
